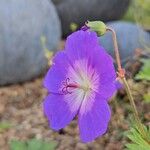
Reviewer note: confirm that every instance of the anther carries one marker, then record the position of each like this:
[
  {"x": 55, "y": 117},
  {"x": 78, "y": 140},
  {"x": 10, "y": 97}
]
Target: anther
[{"x": 67, "y": 85}]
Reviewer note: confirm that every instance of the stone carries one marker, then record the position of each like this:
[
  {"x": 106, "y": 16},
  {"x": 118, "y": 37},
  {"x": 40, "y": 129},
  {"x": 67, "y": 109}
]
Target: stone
[
  {"x": 22, "y": 24},
  {"x": 129, "y": 37},
  {"x": 79, "y": 11}
]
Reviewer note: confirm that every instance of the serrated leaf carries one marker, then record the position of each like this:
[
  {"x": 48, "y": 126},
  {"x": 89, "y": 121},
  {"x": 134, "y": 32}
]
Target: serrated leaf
[
  {"x": 136, "y": 147},
  {"x": 137, "y": 140}
]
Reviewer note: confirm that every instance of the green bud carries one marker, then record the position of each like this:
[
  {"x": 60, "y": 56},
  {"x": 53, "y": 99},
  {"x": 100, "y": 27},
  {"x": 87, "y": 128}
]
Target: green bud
[{"x": 98, "y": 26}]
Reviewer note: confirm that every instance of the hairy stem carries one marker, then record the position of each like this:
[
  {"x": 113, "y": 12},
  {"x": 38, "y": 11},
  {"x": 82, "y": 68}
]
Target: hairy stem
[
  {"x": 121, "y": 74},
  {"x": 117, "y": 55}
]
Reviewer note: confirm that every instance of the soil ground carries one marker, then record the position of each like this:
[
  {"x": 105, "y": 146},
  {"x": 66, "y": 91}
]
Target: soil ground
[{"x": 21, "y": 106}]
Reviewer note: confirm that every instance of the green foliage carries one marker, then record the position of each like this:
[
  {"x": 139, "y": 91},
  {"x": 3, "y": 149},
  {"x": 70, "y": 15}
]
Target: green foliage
[
  {"x": 139, "y": 11},
  {"x": 32, "y": 144},
  {"x": 18, "y": 145},
  {"x": 146, "y": 98},
  {"x": 4, "y": 126},
  {"x": 144, "y": 74},
  {"x": 137, "y": 140}
]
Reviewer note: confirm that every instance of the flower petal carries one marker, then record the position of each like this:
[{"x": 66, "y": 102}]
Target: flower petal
[
  {"x": 94, "y": 122},
  {"x": 80, "y": 44},
  {"x": 57, "y": 72},
  {"x": 83, "y": 45},
  {"x": 58, "y": 111},
  {"x": 103, "y": 64}
]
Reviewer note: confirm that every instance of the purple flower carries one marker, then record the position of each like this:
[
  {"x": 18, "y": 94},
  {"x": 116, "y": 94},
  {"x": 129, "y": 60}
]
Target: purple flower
[{"x": 80, "y": 82}]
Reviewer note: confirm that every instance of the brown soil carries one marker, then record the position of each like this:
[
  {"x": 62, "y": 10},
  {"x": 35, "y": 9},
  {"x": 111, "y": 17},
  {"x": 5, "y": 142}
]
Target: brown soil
[{"x": 21, "y": 106}]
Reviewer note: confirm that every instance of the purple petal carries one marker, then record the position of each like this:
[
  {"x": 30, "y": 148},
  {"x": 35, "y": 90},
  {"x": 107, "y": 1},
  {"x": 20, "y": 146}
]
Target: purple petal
[
  {"x": 103, "y": 63},
  {"x": 57, "y": 72},
  {"x": 94, "y": 122},
  {"x": 80, "y": 44},
  {"x": 58, "y": 111},
  {"x": 83, "y": 45}
]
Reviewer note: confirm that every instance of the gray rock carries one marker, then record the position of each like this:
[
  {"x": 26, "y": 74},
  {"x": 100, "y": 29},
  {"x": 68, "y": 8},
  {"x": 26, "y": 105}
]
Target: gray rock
[
  {"x": 22, "y": 24},
  {"x": 79, "y": 11},
  {"x": 129, "y": 37}
]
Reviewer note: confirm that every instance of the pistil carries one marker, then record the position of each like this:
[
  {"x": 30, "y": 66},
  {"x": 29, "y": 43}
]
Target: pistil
[{"x": 68, "y": 87}]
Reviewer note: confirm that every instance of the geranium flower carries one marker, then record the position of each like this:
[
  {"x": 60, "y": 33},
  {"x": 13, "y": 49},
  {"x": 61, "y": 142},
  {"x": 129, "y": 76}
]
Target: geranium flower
[{"x": 80, "y": 82}]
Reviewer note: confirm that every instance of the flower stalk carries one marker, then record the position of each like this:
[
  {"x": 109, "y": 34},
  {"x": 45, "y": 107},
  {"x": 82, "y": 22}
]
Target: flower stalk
[{"x": 121, "y": 75}]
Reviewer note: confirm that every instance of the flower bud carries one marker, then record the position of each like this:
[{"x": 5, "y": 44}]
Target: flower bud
[{"x": 98, "y": 26}]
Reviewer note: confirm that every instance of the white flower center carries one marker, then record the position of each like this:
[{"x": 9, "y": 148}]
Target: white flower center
[
  {"x": 84, "y": 75},
  {"x": 81, "y": 84}
]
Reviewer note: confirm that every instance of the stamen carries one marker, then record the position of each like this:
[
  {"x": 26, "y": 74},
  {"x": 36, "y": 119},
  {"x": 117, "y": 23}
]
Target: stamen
[{"x": 67, "y": 85}]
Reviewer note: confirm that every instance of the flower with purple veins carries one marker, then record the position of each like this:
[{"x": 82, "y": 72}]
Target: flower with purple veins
[{"x": 80, "y": 82}]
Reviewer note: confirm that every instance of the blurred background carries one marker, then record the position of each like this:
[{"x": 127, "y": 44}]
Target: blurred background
[{"x": 31, "y": 32}]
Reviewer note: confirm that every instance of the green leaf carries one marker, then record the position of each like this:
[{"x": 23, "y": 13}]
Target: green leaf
[
  {"x": 18, "y": 145},
  {"x": 137, "y": 140},
  {"x": 135, "y": 147},
  {"x": 144, "y": 74},
  {"x": 32, "y": 144},
  {"x": 132, "y": 147},
  {"x": 35, "y": 144},
  {"x": 50, "y": 146},
  {"x": 142, "y": 16}
]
